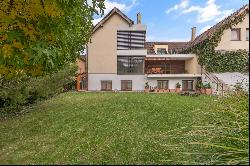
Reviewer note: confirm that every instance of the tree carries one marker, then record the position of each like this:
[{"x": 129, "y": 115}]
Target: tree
[{"x": 41, "y": 36}]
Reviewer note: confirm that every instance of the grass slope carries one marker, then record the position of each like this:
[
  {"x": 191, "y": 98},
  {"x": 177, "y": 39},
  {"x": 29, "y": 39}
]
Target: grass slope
[{"x": 128, "y": 128}]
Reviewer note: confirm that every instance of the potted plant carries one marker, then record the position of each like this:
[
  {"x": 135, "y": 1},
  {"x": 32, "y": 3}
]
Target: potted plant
[
  {"x": 146, "y": 87},
  {"x": 208, "y": 89},
  {"x": 203, "y": 88},
  {"x": 199, "y": 86},
  {"x": 178, "y": 87}
]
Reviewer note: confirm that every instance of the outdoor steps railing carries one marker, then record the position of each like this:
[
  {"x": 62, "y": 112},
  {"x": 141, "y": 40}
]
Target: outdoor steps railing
[{"x": 219, "y": 87}]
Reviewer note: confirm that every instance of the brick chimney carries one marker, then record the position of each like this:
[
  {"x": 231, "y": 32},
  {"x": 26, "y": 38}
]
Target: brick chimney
[
  {"x": 193, "y": 35},
  {"x": 139, "y": 18}
]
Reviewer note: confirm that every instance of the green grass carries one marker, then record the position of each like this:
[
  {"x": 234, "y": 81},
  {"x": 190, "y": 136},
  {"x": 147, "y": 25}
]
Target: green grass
[{"x": 128, "y": 128}]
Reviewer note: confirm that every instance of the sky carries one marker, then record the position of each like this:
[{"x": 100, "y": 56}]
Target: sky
[{"x": 172, "y": 20}]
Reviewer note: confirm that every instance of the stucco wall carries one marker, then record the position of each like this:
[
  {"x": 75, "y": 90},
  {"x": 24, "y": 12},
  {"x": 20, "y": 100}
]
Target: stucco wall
[
  {"x": 160, "y": 46},
  {"x": 192, "y": 66},
  {"x": 227, "y": 44},
  {"x": 102, "y": 50},
  {"x": 94, "y": 81},
  {"x": 138, "y": 81},
  {"x": 171, "y": 81}
]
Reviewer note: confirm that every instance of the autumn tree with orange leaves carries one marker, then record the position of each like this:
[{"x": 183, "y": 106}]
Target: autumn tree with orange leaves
[{"x": 41, "y": 36}]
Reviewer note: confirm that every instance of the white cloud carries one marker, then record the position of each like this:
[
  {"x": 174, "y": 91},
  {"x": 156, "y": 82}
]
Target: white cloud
[
  {"x": 109, "y": 5},
  {"x": 95, "y": 21},
  {"x": 182, "y": 5},
  {"x": 225, "y": 13},
  {"x": 210, "y": 12},
  {"x": 205, "y": 28}
]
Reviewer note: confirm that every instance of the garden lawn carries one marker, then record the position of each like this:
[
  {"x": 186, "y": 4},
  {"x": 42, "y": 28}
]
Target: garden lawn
[{"x": 128, "y": 128}]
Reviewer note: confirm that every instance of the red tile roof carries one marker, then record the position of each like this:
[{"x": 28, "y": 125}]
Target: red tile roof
[{"x": 174, "y": 46}]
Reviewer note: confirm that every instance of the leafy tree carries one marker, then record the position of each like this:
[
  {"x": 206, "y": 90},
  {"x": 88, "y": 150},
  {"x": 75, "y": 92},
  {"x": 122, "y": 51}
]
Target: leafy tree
[{"x": 42, "y": 36}]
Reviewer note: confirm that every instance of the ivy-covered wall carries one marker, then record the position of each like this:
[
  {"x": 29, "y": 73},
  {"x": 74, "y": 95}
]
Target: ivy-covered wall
[{"x": 216, "y": 61}]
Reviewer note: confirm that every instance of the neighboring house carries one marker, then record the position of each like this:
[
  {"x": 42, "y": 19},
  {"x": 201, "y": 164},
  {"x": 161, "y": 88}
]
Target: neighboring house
[
  {"x": 81, "y": 74},
  {"x": 118, "y": 58},
  {"x": 232, "y": 39}
]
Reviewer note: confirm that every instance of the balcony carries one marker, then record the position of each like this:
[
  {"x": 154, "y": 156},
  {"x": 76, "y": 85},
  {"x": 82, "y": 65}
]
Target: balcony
[
  {"x": 170, "y": 56},
  {"x": 168, "y": 68}
]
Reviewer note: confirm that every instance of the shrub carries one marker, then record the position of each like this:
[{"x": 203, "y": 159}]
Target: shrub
[
  {"x": 178, "y": 85},
  {"x": 24, "y": 90}
]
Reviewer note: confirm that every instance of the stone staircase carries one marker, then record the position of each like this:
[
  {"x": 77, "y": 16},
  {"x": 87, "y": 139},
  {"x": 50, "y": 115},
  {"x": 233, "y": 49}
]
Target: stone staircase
[{"x": 219, "y": 87}]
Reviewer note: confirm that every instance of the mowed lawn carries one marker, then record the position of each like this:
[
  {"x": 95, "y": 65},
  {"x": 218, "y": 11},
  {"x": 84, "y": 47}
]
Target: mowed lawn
[{"x": 128, "y": 128}]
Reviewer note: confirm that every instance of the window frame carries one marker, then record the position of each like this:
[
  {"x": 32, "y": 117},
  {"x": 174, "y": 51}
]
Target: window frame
[
  {"x": 129, "y": 61},
  {"x": 126, "y": 85},
  {"x": 186, "y": 89},
  {"x": 238, "y": 30},
  {"x": 162, "y": 81},
  {"x": 106, "y": 81}
]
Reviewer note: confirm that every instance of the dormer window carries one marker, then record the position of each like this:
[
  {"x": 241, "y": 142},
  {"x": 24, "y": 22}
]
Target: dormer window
[{"x": 235, "y": 34}]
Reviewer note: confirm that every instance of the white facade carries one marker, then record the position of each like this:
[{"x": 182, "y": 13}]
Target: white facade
[
  {"x": 171, "y": 82},
  {"x": 138, "y": 81},
  {"x": 94, "y": 81}
]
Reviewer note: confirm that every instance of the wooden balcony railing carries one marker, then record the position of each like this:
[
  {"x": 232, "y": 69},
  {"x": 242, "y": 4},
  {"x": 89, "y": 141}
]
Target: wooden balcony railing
[{"x": 163, "y": 69}]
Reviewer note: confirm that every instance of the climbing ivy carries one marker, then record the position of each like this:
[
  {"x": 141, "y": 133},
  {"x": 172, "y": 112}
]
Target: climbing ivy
[{"x": 217, "y": 61}]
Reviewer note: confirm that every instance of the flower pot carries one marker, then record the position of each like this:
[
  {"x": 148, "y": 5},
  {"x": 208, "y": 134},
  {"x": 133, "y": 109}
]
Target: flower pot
[
  {"x": 146, "y": 90},
  {"x": 166, "y": 90},
  {"x": 208, "y": 91},
  {"x": 178, "y": 90},
  {"x": 171, "y": 90},
  {"x": 161, "y": 90},
  {"x": 203, "y": 91}
]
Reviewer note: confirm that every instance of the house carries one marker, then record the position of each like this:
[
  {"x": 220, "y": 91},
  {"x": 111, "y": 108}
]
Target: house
[
  {"x": 81, "y": 83},
  {"x": 120, "y": 59},
  {"x": 234, "y": 38}
]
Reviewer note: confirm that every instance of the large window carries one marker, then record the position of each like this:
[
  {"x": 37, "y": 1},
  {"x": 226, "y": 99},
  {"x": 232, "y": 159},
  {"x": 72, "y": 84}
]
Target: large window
[
  {"x": 162, "y": 84},
  {"x": 187, "y": 85},
  {"x": 247, "y": 34},
  {"x": 129, "y": 65},
  {"x": 106, "y": 85},
  {"x": 235, "y": 34},
  {"x": 126, "y": 85},
  {"x": 131, "y": 40}
]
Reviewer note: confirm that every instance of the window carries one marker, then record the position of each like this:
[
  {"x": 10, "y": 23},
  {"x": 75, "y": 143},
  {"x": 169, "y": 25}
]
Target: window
[
  {"x": 187, "y": 85},
  {"x": 126, "y": 85},
  {"x": 162, "y": 84},
  {"x": 131, "y": 40},
  {"x": 235, "y": 34},
  {"x": 106, "y": 85},
  {"x": 247, "y": 34},
  {"x": 129, "y": 65},
  {"x": 161, "y": 51}
]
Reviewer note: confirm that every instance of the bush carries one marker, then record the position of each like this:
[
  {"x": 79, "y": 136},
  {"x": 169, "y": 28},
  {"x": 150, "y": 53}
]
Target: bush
[{"x": 25, "y": 90}]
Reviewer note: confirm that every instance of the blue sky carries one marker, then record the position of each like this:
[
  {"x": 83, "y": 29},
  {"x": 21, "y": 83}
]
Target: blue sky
[{"x": 172, "y": 20}]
